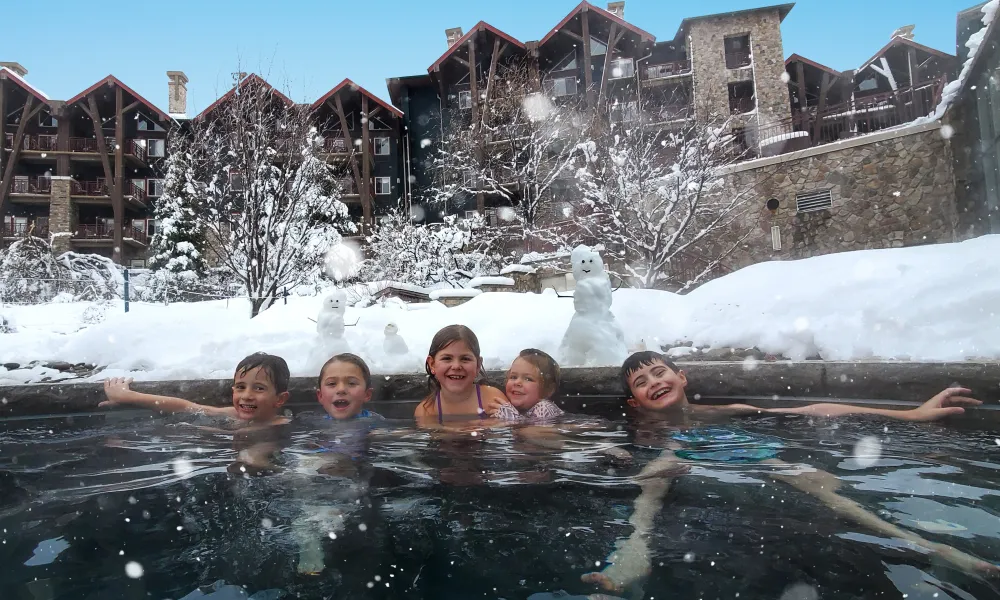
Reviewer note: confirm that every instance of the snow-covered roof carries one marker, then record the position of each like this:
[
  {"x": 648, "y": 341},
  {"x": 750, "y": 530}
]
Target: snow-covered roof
[
  {"x": 974, "y": 44},
  {"x": 478, "y": 281},
  {"x": 27, "y": 86},
  {"x": 517, "y": 269},
  {"x": 455, "y": 293}
]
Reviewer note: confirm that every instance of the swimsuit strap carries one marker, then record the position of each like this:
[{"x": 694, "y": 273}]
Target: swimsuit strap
[
  {"x": 479, "y": 400},
  {"x": 440, "y": 416}
]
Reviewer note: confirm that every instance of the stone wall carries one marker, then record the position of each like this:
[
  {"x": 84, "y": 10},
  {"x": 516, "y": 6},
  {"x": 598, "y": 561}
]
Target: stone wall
[
  {"x": 62, "y": 217},
  {"x": 706, "y": 48},
  {"x": 894, "y": 190}
]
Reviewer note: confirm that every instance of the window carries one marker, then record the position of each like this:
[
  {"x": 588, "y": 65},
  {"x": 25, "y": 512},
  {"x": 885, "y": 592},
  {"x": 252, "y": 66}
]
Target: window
[
  {"x": 741, "y": 97},
  {"x": 47, "y": 120},
  {"x": 156, "y": 148},
  {"x": 813, "y": 200},
  {"x": 567, "y": 63},
  {"x": 382, "y": 186},
  {"x": 377, "y": 124},
  {"x": 381, "y": 146},
  {"x": 465, "y": 100},
  {"x": 563, "y": 86},
  {"x": 235, "y": 180},
  {"x": 471, "y": 214},
  {"x": 867, "y": 85},
  {"x": 622, "y": 68},
  {"x": 154, "y": 187},
  {"x": 597, "y": 47},
  {"x": 137, "y": 188},
  {"x": 137, "y": 263},
  {"x": 776, "y": 237},
  {"x": 737, "y": 51}
]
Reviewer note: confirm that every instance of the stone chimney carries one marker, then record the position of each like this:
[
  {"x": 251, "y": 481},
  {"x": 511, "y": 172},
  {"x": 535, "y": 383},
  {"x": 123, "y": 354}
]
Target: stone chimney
[
  {"x": 617, "y": 9},
  {"x": 16, "y": 68},
  {"x": 454, "y": 34},
  {"x": 177, "y": 92}
]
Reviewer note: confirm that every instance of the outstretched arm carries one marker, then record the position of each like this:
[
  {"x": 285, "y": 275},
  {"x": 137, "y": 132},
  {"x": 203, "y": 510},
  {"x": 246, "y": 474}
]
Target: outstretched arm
[
  {"x": 120, "y": 394},
  {"x": 945, "y": 404}
]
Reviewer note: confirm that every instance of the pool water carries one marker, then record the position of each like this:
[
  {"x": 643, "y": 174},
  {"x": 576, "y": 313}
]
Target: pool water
[{"x": 128, "y": 505}]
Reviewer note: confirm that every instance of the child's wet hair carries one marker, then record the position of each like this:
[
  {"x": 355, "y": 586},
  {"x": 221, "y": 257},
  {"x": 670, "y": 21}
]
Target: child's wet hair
[
  {"x": 547, "y": 367},
  {"x": 639, "y": 360},
  {"x": 273, "y": 366},
  {"x": 442, "y": 339},
  {"x": 352, "y": 359}
]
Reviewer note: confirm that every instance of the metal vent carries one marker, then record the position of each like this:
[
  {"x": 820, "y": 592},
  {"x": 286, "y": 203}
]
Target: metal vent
[
  {"x": 776, "y": 237},
  {"x": 813, "y": 200}
]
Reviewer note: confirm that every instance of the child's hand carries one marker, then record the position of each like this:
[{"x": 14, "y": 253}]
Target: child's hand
[
  {"x": 947, "y": 403},
  {"x": 492, "y": 403},
  {"x": 117, "y": 391}
]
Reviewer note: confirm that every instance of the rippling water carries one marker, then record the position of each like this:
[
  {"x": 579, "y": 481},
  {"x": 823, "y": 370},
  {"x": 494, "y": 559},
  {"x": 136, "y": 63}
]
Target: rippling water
[{"x": 127, "y": 505}]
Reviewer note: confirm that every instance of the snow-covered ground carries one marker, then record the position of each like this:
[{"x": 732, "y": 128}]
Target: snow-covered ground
[{"x": 937, "y": 302}]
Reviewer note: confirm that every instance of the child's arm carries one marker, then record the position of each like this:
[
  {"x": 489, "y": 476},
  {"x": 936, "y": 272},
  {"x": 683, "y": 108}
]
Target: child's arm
[
  {"x": 947, "y": 403},
  {"x": 118, "y": 392}
]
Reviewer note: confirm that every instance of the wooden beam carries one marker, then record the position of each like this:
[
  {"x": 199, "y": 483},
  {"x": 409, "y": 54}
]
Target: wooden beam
[
  {"x": 588, "y": 70},
  {"x": 571, "y": 34},
  {"x": 460, "y": 60},
  {"x": 489, "y": 79},
  {"x": 473, "y": 78},
  {"x": 366, "y": 170},
  {"x": 914, "y": 65},
  {"x": 609, "y": 57},
  {"x": 824, "y": 90},
  {"x": 62, "y": 143},
  {"x": 800, "y": 76},
  {"x": 118, "y": 198},
  {"x": 346, "y": 133},
  {"x": 131, "y": 107},
  {"x": 3, "y": 131},
  {"x": 375, "y": 111},
  {"x": 95, "y": 117},
  {"x": 886, "y": 72},
  {"x": 15, "y": 153}
]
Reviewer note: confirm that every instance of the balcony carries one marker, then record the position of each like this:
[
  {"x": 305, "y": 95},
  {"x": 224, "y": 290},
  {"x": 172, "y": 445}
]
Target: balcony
[
  {"x": 667, "y": 70},
  {"x": 32, "y": 143},
  {"x": 335, "y": 145},
  {"x": 31, "y": 186},
  {"x": 82, "y": 190},
  {"x": 40, "y": 228},
  {"x": 91, "y": 146},
  {"x": 737, "y": 59},
  {"x": 347, "y": 187},
  {"x": 100, "y": 233}
]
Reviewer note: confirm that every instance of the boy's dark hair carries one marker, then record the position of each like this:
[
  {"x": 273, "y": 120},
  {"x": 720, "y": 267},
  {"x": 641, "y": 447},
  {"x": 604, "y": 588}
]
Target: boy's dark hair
[
  {"x": 273, "y": 366},
  {"x": 349, "y": 358},
  {"x": 639, "y": 360}
]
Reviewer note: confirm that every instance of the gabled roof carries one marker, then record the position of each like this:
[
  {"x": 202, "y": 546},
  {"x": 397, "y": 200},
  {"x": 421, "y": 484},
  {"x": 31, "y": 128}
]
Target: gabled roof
[
  {"x": 796, "y": 58},
  {"x": 251, "y": 78},
  {"x": 645, "y": 35},
  {"x": 480, "y": 26},
  {"x": 4, "y": 71},
  {"x": 783, "y": 10},
  {"x": 347, "y": 82},
  {"x": 907, "y": 42},
  {"x": 114, "y": 80}
]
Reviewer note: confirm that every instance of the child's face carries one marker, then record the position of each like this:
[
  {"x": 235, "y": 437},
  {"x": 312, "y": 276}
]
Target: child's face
[
  {"x": 254, "y": 396},
  {"x": 342, "y": 391},
  {"x": 524, "y": 385},
  {"x": 455, "y": 367},
  {"x": 657, "y": 387}
]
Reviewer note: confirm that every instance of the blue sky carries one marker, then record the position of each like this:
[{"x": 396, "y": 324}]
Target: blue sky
[{"x": 306, "y": 47}]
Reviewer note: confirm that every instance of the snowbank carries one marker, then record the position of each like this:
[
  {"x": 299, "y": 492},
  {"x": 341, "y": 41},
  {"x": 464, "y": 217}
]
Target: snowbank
[
  {"x": 475, "y": 282},
  {"x": 454, "y": 293},
  {"x": 517, "y": 269},
  {"x": 923, "y": 303}
]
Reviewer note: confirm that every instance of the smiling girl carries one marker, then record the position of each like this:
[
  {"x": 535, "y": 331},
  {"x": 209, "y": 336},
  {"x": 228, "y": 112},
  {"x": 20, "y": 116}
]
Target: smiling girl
[
  {"x": 532, "y": 380},
  {"x": 454, "y": 366}
]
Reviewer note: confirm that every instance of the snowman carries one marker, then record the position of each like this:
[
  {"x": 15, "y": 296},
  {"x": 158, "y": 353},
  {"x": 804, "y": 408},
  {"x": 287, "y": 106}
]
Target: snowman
[
  {"x": 394, "y": 344},
  {"x": 329, "y": 329},
  {"x": 593, "y": 337}
]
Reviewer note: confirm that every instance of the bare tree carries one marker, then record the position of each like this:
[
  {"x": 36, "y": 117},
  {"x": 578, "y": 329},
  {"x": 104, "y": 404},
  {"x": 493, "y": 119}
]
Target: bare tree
[
  {"x": 271, "y": 207},
  {"x": 659, "y": 199},
  {"x": 518, "y": 152}
]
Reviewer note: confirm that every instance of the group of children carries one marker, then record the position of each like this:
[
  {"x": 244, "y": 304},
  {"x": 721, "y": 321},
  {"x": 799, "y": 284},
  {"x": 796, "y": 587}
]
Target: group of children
[{"x": 654, "y": 386}]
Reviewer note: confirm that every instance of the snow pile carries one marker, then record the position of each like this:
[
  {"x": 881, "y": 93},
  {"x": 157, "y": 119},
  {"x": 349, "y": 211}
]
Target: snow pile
[
  {"x": 517, "y": 269},
  {"x": 478, "y": 281},
  {"x": 974, "y": 44},
  {"x": 455, "y": 293},
  {"x": 784, "y": 136},
  {"x": 923, "y": 303}
]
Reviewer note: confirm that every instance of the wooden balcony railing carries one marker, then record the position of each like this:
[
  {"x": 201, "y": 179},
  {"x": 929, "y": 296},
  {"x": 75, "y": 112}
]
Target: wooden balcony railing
[
  {"x": 37, "y": 143},
  {"x": 90, "y": 188},
  {"x": 335, "y": 145},
  {"x": 31, "y": 185},
  {"x": 667, "y": 69},
  {"x": 132, "y": 147},
  {"x": 347, "y": 187},
  {"x": 137, "y": 234},
  {"x": 40, "y": 228},
  {"x": 738, "y": 59},
  {"x": 96, "y": 231}
]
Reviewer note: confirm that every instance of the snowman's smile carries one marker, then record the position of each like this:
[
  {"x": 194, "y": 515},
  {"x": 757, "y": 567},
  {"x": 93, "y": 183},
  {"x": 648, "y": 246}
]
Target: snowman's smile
[{"x": 586, "y": 270}]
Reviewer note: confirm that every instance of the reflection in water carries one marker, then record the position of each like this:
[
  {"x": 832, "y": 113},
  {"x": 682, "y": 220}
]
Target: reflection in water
[{"x": 323, "y": 509}]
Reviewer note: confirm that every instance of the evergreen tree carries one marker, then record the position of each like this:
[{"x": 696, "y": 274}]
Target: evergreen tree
[{"x": 179, "y": 243}]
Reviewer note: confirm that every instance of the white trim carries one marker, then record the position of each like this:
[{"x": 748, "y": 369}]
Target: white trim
[
  {"x": 60, "y": 178},
  {"x": 871, "y": 138}
]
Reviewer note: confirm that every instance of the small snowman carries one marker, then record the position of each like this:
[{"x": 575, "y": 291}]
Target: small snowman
[
  {"x": 593, "y": 337},
  {"x": 394, "y": 344},
  {"x": 329, "y": 330}
]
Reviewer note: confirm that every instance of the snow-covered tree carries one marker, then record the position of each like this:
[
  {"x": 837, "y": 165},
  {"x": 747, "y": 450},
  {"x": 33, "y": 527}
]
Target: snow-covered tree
[
  {"x": 179, "y": 244},
  {"x": 518, "y": 152},
  {"x": 272, "y": 208},
  {"x": 659, "y": 201},
  {"x": 449, "y": 252},
  {"x": 29, "y": 272}
]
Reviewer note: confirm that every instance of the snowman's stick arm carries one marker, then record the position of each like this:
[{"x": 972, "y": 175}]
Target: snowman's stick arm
[
  {"x": 352, "y": 324},
  {"x": 312, "y": 319}
]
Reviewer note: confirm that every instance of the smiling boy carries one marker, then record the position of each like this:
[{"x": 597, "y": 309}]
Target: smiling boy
[{"x": 260, "y": 389}]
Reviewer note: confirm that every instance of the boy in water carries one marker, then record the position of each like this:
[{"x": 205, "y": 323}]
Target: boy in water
[
  {"x": 260, "y": 389},
  {"x": 656, "y": 388}
]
